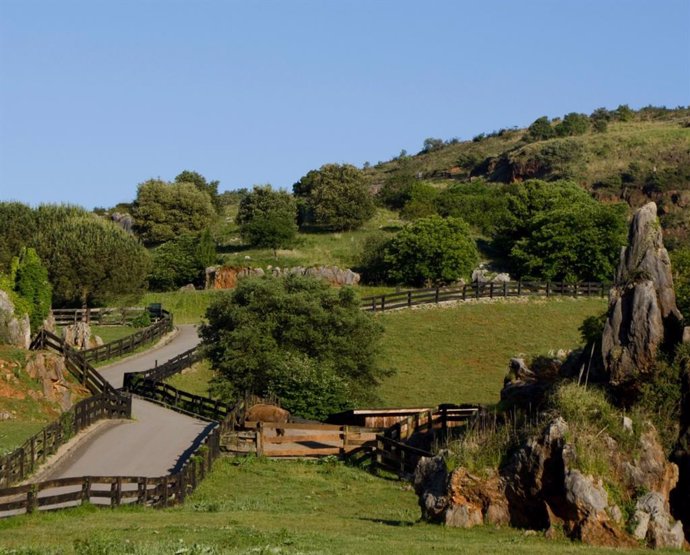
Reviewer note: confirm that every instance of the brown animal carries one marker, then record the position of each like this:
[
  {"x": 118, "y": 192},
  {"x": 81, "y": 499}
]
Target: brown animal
[{"x": 268, "y": 413}]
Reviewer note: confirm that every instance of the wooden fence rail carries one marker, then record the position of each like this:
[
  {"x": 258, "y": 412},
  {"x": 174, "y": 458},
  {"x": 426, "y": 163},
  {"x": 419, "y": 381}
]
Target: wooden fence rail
[
  {"x": 112, "y": 491},
  {"x": 98, "y": 316},
  {"x": 173, "y": 366},
  {"x": 506, "y": 289},
  {"x": 132, "y": 342},
  {"x": 23, "y": 461}
]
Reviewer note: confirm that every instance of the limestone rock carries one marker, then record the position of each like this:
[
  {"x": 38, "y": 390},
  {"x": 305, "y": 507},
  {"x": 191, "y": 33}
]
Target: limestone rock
[
  {"x": 79, "y": 336},
  {"x": 49, "y": 369},
  {"x": 49, "y": 323},
  {"x": 431, "y": 486},
  {"x": 14, "y": 330},
  {"x": 654, "y": 524},
  {"x": 642, "y": 306}
]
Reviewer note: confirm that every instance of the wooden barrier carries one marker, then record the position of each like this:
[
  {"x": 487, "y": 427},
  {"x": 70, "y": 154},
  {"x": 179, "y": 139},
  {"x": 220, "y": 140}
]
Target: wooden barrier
[
  {"x": 506, "y": 289},
  {"x": 23, "y": 461},
  {"x": 132, "y": 342},
  {"x": 98, "y": 316},
  {"x": 112, "y": 491}
]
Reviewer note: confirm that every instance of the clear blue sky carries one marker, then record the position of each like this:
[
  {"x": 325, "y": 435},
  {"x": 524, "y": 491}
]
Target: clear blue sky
[{"x": 96, "y": 96}]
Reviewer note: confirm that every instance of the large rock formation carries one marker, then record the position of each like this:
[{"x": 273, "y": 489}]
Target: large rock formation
[
  {"x": 226, "y": 277},
  {"x": 49, "y": 369},
  {"x": 80, "y": 337},
  {"x": 643, "y": 315},
  {"x": 541, "y": 487},
  {"x": 14, "y": 330}
]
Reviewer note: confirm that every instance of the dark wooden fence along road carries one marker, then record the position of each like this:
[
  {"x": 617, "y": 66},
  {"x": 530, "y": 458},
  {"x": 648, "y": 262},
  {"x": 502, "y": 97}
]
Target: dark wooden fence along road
[
  {"x": 506, "y": 289},
  {"x": 98, "y": 316},
  {"x": 22, "y": 462}
]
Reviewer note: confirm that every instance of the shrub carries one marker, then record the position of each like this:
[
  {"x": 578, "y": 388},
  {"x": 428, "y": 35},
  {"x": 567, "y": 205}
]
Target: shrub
[
  {"x": 573, "y": 124},
  {"x": 372, "y": 259},
  {"x": 481, "y": 205},
  {"x": 540, "y": 130},
  {"x": 420, "y": 203},
  {"x": 177, "y": 263},
  {"x": 432, "y": 250},
  {"x": 31, "y": 283}
]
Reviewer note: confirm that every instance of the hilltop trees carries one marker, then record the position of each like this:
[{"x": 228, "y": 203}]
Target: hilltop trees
[
  {"x": 17, "y": 226},
  {"x": 31, "y": 282},
  {"x": 199, "y": 181},
  {"x": 181, "y": 261},
  {"x": 335, "y": 197},
  {"x": 163, "y": 211},
  {"x": 294, "y": 337},
  {"x": 267, "y": 218}
]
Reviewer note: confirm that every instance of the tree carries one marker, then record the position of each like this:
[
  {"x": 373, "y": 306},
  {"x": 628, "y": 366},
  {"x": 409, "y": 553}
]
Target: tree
[
  {"x": 334, "y": 197},
  {"x": 600, "y": 120},
  {"x": 573, "y": 124},
  {"x": 371, "y": 262},
  {"x": 540, "y": 130},
  {"x": 624, "y": 113},
  {"x": 199, "y": 181},
  {"x": 31, "y": 283},
  {"x": 480, "y": 204},
  {"x": 295, "y": 337},
  {"x": 431, "y": 144},
  {"x": 433, "y": 251},
  {"x": 268, "y": 218},
  {"x": 17, "y": 227},
  {"x": 420, "y": 203},
  {"x": 180, "y": 262},
  {"x": 89, "y": 260},
  {"x": 163, "y": 211}
]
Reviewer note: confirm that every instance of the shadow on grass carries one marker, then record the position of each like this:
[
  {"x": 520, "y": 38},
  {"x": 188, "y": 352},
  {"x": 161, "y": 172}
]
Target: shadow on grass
[{"x": 397, "y": 523}]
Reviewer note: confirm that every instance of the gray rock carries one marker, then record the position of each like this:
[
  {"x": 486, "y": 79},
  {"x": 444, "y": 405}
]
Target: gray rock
[
  {"x": 628, "y": 424},
  {"x": 14, "y": 330},
  {"x": 654, "y": 523},
  {"x": 431, "y": 485},
  {"x": 589, "y": 498},
  {"x": 79, "y": 336}
]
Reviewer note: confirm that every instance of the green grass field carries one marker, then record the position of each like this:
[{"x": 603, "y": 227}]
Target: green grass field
[
  {"x": 194, "y": 380},
  {"x": 460, "y": 354},
  {"x": 277, "y": 507}
]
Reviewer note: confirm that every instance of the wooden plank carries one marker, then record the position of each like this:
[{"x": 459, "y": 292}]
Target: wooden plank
[
  {"x": 302, "y": 452},
  {"x": 59, "y": 498},
  {"x": 318, "y": 438},
  {"x": 293, "y": 426}
]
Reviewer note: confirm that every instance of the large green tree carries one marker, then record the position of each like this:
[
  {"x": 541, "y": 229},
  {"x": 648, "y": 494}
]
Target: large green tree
[
  {"x": 334, "y": 197},
  {"x": 200, "y": 182},
  {"x": 432, "y": 251},
  {"x": 163, "y": 211},
  {"x": 89, "y": 259},
  {"x": 295, "y": 337},
  {"x": 268, "y": 218},
  {"x": 17, "y": 227},
  {"x": 31, "y": 283},
  {"x": 181, "y": 261}
]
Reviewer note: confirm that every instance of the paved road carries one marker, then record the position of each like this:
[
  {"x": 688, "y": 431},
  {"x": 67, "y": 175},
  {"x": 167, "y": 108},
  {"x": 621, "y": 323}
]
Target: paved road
[
  {"x": 153, "y": 443},
  {"x": 186, "y": 338}
]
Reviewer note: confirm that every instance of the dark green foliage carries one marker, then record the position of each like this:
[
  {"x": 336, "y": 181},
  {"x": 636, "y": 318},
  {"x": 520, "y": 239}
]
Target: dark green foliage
[
  {"x": 141, "y": 321},
  {"x": 335, "y": 197},
  {"x": 206, "y": 250},
  {"x": 199, "y": 181},
  {"x": 268, "y": 218},
  {"x": 480, "y": 204},
  {"x": 431, "y": 144},
  {"x": 573, "y": 124},
  {"x": 680, "y": 263},
  {"x": 31, "y": 283},
  {"x": 396, "y": 190},
  {"x": 592, "y": 328},
  {"x": 540, "y": 130},
  {"x": 372, "y": 260},
  {"x": 163, "y": 211},
  {"x": 600, "y": 120},
  {"x": 17, "y": 227},
  {"x": 557, "y": 231},
  {"x": 89, "y": 259},
  {"x": 420, "y": 203},
  {"x": 296, "y": 337},
  {"x": 177, "y": 263},
  {"x": 432, "y": 251},
  {"x": 624, "y": 113}
]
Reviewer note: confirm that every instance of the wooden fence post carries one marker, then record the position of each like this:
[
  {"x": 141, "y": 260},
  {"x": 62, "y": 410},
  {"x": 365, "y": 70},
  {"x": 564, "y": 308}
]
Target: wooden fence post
[
  {"x": 548, "y": 288},
  {"x": 519, "y": 291},
  {"x": 437, "y": 294},
  {"x": 85, "y": 490},
  {"x": 383, "y": 303},
  {"x": 464, "y": 292},
  {"x": 259, "y": 439}
]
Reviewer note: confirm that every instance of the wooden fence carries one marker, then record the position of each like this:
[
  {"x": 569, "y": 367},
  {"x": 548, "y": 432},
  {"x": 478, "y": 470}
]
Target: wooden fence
[
  {"x": 111, "y": 491},
  {"x": 22, "y": 462},
  {"x": 74, "y": 361},
  {"x": 506, "y": 289},
  {"x": 98, "y": 316},
  {"x": 173, "y": 366},
  {"x": 132, "y": 342}
]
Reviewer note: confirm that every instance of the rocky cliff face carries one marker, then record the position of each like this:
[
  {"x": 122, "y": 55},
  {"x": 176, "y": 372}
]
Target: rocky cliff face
[
  {"x": 225, "y": 277},
  {"x": 14, "y": 330},
  {"x": 643, "y": 315}
]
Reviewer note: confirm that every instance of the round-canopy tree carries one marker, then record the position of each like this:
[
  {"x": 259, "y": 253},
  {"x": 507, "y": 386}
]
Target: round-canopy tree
[
  {"x": 295, "y": 337},
  {"x": 89, "y": 260},
  {"x": 432, "y": 250},
  {"x": 163, "y": 211},
  {"x": 17, "y": 227},
  {"x": 335, "y": 197},
  {"x": 268, "y": 218}
]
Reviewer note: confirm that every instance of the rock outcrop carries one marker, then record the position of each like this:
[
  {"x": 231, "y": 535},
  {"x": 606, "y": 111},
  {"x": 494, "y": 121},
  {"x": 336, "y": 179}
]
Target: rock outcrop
[
  {"x": 540, "y": 487},
  {"x": 14, "y": 330},
  {"x": 49, "y": 369},
  {"x": 79, "y": 336},
  {"x": 226, "y": 277},
  {"x": 643, "y": 315}
]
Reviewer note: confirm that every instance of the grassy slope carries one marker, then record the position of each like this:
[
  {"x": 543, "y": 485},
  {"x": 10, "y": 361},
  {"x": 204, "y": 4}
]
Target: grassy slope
[
  {"x": 460, "y": 354},
  {"x": 194, "y": 380},
  {"x": 261, "y": 506}
]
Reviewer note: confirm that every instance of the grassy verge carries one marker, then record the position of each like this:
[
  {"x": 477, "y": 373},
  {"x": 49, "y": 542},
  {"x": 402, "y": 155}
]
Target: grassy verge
[
  {"x": 194, "y": 380},
  {"x": 460, "y": 354},
  {"x": 262, "y": 506}
]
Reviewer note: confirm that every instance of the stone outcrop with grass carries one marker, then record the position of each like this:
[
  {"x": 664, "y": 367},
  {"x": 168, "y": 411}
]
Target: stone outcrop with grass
[
  {"x": 582, "y": 459},
  {"x": 14, "y": 329}
]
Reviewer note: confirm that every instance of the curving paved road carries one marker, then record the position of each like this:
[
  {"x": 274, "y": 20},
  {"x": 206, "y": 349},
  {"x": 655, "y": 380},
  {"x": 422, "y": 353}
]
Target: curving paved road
[{"x": 153, "y": 443}]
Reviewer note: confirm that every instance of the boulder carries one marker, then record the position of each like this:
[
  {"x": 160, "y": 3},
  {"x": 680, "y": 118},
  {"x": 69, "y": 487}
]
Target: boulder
[
  {"x": 654, "y": 524},
  {"x": 49, "y": 369},
  {"x": 643, "y": 314},
  {"x": 431, "y": 486},
  {"x": 79, "y": 336},
  {"x": 14, "y": 330}
]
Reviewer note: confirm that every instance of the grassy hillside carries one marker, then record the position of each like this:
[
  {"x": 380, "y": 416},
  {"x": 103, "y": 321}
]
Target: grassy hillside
[
  {"x": 646, "y": 158},
  {"x": 460, "y": 354},
  {"x": 262, "y": 506}
]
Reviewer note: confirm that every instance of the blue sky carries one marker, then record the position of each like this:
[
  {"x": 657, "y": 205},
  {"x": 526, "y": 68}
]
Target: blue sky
[{"x": 96, "y": 96}]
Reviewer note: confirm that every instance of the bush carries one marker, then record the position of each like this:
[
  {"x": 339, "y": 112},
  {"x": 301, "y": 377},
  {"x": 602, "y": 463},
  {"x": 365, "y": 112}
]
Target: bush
[
  {"x": 335, "y": 197},
  {"x": 573, "y": 124},
  {"x": 278, "y": 335},
  {"x": 31, "y": 283},
  {"x": 372, "y": 259},
  {"x": 432, "y": 251},
  {"x": 420, "y": 203},
  {"x": 481, "y": 205},
  {"x": 540, "y": 130},
  {"x": 396, "y": 191},
  {"x": 177, "y": 263}
]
